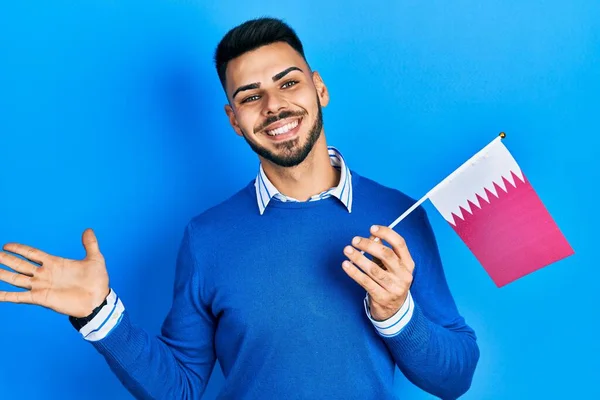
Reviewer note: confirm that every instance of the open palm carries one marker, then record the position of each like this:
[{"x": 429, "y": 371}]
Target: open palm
[{"x": 70, "y": 287}]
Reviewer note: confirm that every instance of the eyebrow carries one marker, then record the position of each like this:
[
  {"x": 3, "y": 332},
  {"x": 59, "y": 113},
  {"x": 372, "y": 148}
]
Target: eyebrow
[
  {"x": 283, "y": 73},
  {"x": 256, "y": 85}
]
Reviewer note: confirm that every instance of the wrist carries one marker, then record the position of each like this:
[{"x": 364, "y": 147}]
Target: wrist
[
  {"x": 102, "y": 321},
  {"x": 80, "y": 322},
  {"x": 98, "y": 299},
  {"x": 394, "y": 324},
  {"x": 381, "y": 314}
]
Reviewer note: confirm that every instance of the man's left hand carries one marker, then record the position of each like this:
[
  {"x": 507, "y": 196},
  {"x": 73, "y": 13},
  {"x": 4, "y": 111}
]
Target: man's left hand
[{"x": 386, "y": 278}]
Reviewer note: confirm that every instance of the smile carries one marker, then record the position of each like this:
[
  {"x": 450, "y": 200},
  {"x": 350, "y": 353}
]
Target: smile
[{"x": 283, "y": 129}]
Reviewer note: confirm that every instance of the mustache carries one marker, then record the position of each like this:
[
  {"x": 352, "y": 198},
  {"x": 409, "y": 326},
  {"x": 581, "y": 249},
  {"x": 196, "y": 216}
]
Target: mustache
[{"x": 280, "y": 116}]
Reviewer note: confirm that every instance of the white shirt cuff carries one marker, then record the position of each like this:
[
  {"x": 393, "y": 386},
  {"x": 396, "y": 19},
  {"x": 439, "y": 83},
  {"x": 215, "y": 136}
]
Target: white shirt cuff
[
  {"x": 107, "y": 318},
  {"x": 393, "y": 325}
]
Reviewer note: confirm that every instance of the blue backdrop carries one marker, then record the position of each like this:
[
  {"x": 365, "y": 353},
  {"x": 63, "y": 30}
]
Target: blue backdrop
[{"x": 111, "y": 117}]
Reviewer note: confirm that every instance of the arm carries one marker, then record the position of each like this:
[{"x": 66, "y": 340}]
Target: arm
[
  {"x": 433, "y": 346},
  {"x": 175, "y": 364},
  {"x": 436, "y": 350}
]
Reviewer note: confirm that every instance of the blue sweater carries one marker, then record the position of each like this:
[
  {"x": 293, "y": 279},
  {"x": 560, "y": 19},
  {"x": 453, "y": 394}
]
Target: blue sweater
[{"x": 267, "y": 297}]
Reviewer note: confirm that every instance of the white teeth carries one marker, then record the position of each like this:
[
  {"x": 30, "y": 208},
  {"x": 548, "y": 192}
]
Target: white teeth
[{"x": 283, "y": 129}]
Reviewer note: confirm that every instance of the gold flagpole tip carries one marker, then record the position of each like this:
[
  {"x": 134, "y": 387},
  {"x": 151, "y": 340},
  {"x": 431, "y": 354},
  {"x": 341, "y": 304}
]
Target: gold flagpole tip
[{"x": 502, "y": 135}]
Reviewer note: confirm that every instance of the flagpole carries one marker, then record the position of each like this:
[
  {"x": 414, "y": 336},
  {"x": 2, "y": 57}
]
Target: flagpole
[{"x": 501, "y": 136}]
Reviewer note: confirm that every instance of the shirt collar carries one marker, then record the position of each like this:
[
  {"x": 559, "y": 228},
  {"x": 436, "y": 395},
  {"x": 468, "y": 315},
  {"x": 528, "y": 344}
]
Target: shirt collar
[{"x": 266, "y": 191}]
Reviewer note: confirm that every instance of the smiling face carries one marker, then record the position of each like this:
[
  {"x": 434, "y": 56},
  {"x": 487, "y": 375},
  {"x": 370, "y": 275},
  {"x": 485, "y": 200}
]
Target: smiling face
[{"x": 275, "y": 103}]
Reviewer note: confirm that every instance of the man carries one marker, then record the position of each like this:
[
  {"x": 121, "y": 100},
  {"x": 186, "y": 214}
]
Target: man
[{"x": 281, "y": 283}]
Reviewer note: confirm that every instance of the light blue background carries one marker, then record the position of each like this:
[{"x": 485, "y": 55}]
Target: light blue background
[{"x": 111, "y": 117}]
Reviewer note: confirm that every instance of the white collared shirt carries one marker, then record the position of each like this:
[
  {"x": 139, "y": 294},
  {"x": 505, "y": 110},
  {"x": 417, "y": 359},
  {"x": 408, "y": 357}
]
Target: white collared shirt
[{"x": 266, "y": 191}]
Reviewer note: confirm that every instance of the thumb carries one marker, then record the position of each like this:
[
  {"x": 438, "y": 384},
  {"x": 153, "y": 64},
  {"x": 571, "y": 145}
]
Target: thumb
[{"x": 90, "y": 243}]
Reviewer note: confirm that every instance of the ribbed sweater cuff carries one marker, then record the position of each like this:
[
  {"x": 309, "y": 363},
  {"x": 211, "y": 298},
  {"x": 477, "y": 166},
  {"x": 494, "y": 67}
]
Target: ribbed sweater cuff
[
  {"x": 413, "y": 338},
  {"x": 120, "y": 344}
]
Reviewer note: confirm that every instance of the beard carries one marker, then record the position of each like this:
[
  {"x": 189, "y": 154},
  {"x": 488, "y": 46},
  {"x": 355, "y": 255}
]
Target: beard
[{"x": 290, "y": 153}]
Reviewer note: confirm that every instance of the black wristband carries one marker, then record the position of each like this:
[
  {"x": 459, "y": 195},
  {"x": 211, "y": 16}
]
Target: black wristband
[{"x": 79, "y": 323}]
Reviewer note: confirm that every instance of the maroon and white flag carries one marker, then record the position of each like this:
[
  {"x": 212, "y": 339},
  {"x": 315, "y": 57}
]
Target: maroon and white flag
[{"x": 492, "y": 206}]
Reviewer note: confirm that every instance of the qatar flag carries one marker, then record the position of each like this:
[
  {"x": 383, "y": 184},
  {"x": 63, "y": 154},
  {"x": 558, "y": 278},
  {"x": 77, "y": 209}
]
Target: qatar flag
[{"x": 494, "y": 209}]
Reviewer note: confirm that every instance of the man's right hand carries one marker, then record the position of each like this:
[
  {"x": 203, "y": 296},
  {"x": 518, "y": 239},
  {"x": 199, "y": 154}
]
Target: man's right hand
[{"x": 70, "y": 287}]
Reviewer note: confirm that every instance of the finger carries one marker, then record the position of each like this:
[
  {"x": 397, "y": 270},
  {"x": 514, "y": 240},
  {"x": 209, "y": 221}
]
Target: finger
[
  {"x": 16, "y": 297},
  {"x": 387, "y": 256},
  {"x": 375, "y": 259},
  {"x": 374, "y": 290},
  {"x": 15, "y": 279},
  {"x": 90, "y": 244},
  {"x": 17, "y": 264},
  {"x": 30, "y": 253},
  {"x": 397, "y": 242},
  {"x": 383, "y": 278}
]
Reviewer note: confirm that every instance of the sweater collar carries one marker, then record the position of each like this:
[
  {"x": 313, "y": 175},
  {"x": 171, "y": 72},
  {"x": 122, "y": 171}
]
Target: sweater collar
[{"x": 266, "y": 191}]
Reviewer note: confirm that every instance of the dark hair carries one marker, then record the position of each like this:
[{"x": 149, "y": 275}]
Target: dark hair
[{"x": 251, "y": 35}]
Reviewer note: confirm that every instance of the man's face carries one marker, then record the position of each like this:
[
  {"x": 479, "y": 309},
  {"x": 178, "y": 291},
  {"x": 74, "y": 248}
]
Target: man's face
[{"x": 275, "y": 103}]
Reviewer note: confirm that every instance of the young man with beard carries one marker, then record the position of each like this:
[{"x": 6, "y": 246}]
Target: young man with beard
[{"x": 273, "y": 282}]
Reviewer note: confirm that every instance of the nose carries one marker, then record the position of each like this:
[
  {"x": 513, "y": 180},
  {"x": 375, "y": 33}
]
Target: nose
[{"x": 274, "y": 103}]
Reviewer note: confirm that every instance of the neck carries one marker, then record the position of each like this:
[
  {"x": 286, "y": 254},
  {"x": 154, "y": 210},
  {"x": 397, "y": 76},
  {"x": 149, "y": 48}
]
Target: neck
[{"x": 313, "y": 176}]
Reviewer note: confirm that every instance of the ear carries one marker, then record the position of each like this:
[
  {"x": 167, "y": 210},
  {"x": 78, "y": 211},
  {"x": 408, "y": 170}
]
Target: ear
[
  {"x": 322, "y": 91},
  {"x": 232, "y": 120}
]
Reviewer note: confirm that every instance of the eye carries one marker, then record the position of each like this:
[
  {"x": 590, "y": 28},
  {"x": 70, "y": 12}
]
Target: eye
[
  {"x": 288, "y": 84},
  {"x": 250, "y": 98}
]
